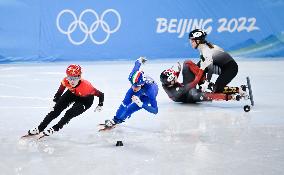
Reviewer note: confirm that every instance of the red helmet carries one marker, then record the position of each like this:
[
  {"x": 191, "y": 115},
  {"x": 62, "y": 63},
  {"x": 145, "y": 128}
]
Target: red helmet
[
  {"x": 167, "y": 76},
  {"x": 73, "y": 70}
]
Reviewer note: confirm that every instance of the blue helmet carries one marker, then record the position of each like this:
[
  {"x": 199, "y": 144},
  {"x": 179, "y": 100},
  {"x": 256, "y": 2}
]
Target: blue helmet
[{"x": 138, "y": 78}]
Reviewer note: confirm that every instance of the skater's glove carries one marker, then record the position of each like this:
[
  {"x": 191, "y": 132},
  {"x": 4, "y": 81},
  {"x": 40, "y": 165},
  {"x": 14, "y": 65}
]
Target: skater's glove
[
  {"x": 109, "y": 123},
  {"x": 56, "y": 98},
  {"x": 177, "y": 67},
  {"x": 204, "y": 86},
  {"x": 137, "y": 100},
  {"x": 205, "y": 63},
  {"x": 142, "y": 60},
  {"x": 99, "y": 108}
]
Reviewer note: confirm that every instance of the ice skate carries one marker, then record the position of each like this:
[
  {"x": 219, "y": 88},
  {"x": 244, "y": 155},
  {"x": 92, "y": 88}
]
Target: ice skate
[
  {"x": 31, "y": 132},
  {"x": 250, "y": 91},
  {"x": 243, "y": 92},
  {"x": 108, "y": 125},
  {"x": 45, "y": 133},
  {"x": 236, "y": 97}
]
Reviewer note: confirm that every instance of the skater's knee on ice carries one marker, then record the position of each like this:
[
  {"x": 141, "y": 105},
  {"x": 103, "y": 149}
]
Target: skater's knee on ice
[{"x": 196, "y": 96}]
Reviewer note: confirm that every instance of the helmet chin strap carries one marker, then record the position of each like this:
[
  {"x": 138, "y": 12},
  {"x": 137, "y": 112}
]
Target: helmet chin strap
[
  {"x": 200, "y": 42},
  {"x": 197, "y": 44}
]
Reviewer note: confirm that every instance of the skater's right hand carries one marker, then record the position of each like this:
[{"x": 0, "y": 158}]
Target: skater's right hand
[
  {"x": 142, "y": 60},
  {"x": 99, "y": 108}
]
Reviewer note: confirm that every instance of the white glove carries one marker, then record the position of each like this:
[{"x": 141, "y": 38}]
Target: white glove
[
  {"x": 137, "y": 100},
  {"x": 205, "y": 63},
  {"x": 204, "y": 86},
  {"x": 177, "y": 67},
  {"x": 142, "y": 60},
  {"x": 98, "y": 108}
]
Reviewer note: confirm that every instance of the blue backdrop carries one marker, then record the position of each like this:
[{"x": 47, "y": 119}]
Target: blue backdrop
[{"x": 59, "y": 30}]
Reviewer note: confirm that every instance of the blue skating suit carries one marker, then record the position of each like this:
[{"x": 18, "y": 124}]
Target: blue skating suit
[{"x": 147, "y": 95}]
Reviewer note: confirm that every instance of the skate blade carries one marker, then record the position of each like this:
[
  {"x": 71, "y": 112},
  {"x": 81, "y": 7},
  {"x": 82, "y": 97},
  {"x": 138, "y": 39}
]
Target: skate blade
[
  {"x": 106, "y": 128},
  {"x": 40, "y": 136},
  {"x": 28, "y": 136}
]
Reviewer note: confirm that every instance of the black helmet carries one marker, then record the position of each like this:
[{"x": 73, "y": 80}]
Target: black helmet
[
  {"x": 167, "y": 76},
  {"x": 197, "y": 34}
]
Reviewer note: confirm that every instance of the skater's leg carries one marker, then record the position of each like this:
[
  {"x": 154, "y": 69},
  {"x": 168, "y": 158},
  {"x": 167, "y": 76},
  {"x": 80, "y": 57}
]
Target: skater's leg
[
  {"x": 189, "y": 71},
  {"x": 195, "y": 95},
  {"x": 150, "y": 105},
  {"x": 127, "y": 113},
  {"x": 123, "y": 106},
  {"x": 127, "y": 99},
  {"x": 77, "y": 109},
  {"x": 226, "y": 76},
  {"x": 64, "y": 101}
]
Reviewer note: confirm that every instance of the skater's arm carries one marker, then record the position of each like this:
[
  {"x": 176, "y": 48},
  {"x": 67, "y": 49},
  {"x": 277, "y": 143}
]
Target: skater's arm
[
  {"x": 100, "y": 95},
  {"x": 213, "y": 69},
  {"x": 153, "y": 108},
  {"x": 59, "y": 92},
  {"x": 206, "y": 59},
  {"x": 175, "y": 92},
  {"x": 135, "y": 69},
  {"x": 177, "y": 69},
  {"x": 210, "y": 72},
  {"x": 196, "y": 80},
  {"x": 177, "y": 74}
]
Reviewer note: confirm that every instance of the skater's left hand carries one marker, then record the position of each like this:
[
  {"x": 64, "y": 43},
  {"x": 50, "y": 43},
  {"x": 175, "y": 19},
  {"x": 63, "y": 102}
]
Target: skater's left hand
[
  {"x": 137, "y": 100},
  {"x": 204, "y": 86},
  {"x": 99, "y": 108}
]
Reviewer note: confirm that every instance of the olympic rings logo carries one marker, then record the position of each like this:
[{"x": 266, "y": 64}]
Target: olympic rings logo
[{"x": 88, "y": 31}]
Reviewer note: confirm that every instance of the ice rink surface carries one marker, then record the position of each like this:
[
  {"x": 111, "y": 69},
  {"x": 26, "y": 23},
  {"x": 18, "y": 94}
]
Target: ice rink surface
[{"x": 213, "y": 138}]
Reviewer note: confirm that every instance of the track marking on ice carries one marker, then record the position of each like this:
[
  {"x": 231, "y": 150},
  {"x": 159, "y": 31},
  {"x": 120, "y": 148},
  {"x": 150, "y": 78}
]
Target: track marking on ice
[
  {"x": 12, "y": 75},
  {"x": 10, "y": 86},
  {"x": 23, "y": 107},
  {"x": 30, "y": 98},
  {"x": 8, "y": 68}
]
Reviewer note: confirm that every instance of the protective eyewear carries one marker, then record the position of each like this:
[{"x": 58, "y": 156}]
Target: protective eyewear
[{"x": 69, "y": 78}]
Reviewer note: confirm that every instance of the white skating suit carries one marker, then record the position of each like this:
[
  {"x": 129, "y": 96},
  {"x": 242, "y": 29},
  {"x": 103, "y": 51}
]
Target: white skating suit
[{"x": 222, "y": 64}]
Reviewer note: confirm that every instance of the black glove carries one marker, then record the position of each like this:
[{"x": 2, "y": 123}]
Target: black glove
[{"x": 56, "y": 98}]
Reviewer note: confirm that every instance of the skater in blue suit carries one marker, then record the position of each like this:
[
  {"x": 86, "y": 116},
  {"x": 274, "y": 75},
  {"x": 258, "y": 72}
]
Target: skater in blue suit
[{"x": 141, "y": 95}]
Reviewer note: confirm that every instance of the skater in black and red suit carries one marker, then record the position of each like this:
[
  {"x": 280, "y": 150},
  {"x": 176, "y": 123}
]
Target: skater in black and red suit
[
  {"x": 186, "y": 92},
  {"x": 80, "y": 94}
]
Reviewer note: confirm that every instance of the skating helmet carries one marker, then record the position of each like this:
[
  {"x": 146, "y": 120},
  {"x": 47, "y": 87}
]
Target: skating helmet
[
  {"x": 198, "y": 34},
  {"x": 73, "y": 70},
  {"x": 138, "y": 78},
  {"x": 167, "y": 76}
]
